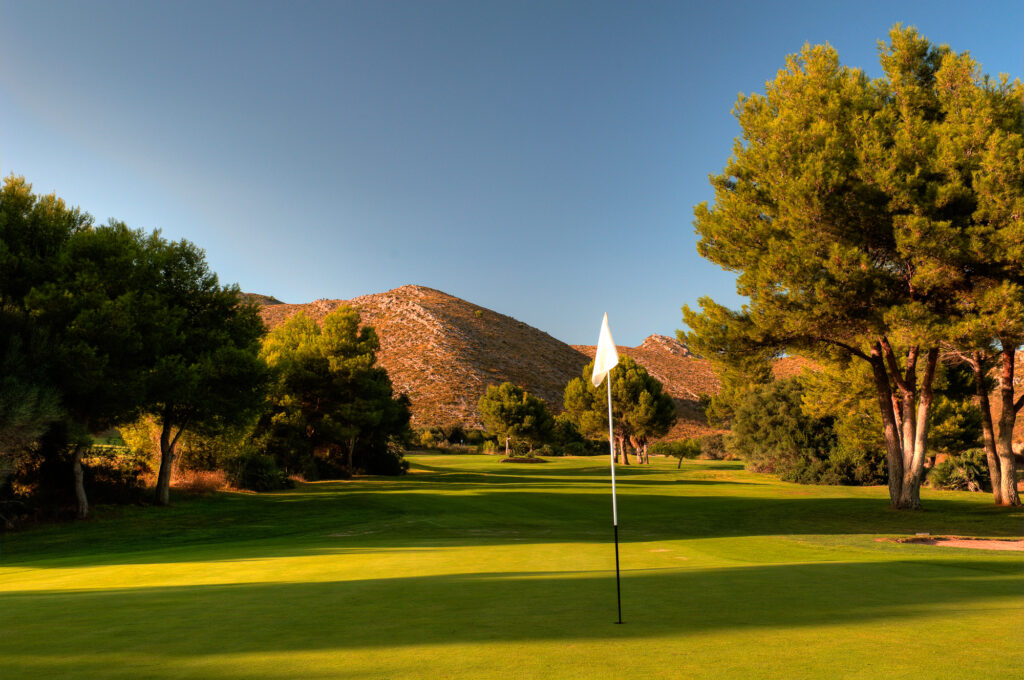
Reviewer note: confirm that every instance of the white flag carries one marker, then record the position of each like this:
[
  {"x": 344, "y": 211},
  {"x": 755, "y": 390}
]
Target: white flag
[{"x": 607, "y": 357}]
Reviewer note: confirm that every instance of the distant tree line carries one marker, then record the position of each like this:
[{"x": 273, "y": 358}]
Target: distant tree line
[
  {"x": 523, "y": 424},
  {"x": 107, "y": 327},
  {"x": 876, "y": 226}
]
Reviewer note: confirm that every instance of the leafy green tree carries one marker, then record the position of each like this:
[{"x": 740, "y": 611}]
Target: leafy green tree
[
  {"x": 77, "y": 296},
  {"x": 842, "y": 391},
  {"x": 108, "y": 322},
  {"x": 565, "y": 434},
  {"x": 28, "y": 405},
  {"x": 741, "y": 363},
  {"x": 99, "y": 314},
  {"x": 511, "y": 413},
  {"x": 851, "y": 218},
  {"x": 681, "y": 450},
  {"x": 641, "y": 411},
  {"x": 982, "y": 149},
  {"x": 326, "y": 396},
  {"x": 207, "y": 374},
  {"x": 772, "y": 433},
  {"x": 34, "y": 230},
  {"x": 652, "y": 414}
]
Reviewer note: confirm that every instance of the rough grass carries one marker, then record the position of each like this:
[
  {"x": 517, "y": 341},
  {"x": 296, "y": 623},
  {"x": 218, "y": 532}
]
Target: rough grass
[{"x": 472, "y": 569}]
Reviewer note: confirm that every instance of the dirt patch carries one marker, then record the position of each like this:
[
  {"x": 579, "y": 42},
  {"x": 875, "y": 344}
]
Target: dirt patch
[{"x": 962, "y": 542}]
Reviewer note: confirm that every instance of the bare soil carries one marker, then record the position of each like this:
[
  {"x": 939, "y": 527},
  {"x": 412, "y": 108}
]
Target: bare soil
[{"x": 962, "y": 542}]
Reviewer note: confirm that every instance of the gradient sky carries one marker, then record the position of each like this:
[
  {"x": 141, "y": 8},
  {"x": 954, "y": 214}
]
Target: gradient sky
[{"x": 541, "y": 159}]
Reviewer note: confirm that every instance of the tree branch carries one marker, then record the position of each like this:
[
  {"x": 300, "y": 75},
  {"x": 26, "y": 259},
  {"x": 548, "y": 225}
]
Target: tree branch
[
  {"x": 849, "y": 348},
  {"x": 181, "y": 428},
  {"x": 894, "y": 369}
]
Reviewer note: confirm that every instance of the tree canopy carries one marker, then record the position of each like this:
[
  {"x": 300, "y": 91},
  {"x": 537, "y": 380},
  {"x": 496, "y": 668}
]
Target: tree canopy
[
  {"x": 858, "y": 212},
  {"x": 327, "y": 397},
  {"x": 641, "y": 411},
  {"x": 513, "y": 414},
  {"x": 206, "y": 373}
]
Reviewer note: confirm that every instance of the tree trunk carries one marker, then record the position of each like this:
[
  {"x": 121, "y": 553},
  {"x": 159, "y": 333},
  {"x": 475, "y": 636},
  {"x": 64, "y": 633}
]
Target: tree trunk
[
  {"x": 1004, "y": 431},
  {"x": 640, "y": 446},
  {"x": 907, "y": 385},
  {"x": 893, "y": 447},
  {"x": 622, "y": 448},
  {"x": 915, "y": 402},
  {"x": 506, "y": 447},
  {"x": 914, "y": 475},
  {"x": 351, "y": 455},
  {"x": 168, "y": 444},
  {"x": 987, "y": 432},
  {"x": 76, "y": 466}
]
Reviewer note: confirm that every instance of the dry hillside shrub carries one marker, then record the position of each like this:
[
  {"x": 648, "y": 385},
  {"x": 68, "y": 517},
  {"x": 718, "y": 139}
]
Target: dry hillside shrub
[{"x": 200, "y": 481}]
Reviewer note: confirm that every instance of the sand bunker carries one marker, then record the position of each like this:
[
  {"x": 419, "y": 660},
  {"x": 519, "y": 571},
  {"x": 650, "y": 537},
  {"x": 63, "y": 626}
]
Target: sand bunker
[{"x": 963, "y": 542}]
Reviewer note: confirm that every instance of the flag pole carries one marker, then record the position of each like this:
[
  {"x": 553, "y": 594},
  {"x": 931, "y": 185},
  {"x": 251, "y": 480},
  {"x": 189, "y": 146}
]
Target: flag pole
[{"x": 615, "y": 512}]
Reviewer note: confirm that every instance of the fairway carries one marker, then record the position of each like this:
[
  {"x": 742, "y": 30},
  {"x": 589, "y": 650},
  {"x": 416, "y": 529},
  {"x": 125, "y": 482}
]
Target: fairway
[{"x": 468, "y": 568}]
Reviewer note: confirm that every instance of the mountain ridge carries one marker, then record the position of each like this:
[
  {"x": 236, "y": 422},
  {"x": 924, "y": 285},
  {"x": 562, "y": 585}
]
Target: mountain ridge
[{"x": 443, "y": 352}]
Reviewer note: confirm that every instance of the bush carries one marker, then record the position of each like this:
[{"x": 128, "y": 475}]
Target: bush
[
  {"x": 773, "y": 434},
  {"x": 255, "y": 471},
  {"x": 115, "y": 474},
  {"x": 475, "y": 437},
  {"x": 194, "y": 452},
  {"x": 519, "y": 448},
  {"x": 427, "y": 438},
  {"x": 198, "y": 453},
  {"x": 574, "y": 449},
  {"x": 199, "y": 481},
  {"x": 682, "y": 448},
  {"x": 712, "y": 447},
  {"x": 314, "y": 468},
  {"x": 376, "y": 457},
  {"x": 967, "y": 471},
  {"x": 489, "y": 447},
  {"x": 586, "y": 447}
]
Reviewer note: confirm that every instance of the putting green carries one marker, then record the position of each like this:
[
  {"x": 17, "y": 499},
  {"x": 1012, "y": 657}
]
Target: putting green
[{"x": 468, "y": 568}]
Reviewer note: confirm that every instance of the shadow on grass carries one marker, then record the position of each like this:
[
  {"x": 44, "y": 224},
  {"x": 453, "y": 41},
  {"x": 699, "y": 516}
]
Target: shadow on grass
[
  {"x": 300, "y": 523},
  {"x": 579, "y": 477},
  {"x": 389, "y": 613},
  {"x": 463, "y": 507}
]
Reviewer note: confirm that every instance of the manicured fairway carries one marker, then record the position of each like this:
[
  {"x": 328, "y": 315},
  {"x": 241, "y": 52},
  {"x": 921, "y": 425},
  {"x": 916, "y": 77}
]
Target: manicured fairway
[{"x": 468, "y": 568}]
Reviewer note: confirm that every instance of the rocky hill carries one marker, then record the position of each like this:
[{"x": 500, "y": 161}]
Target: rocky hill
[
  {"x": 444, "y": 351},
  {"x": 261, "y": 300},
  {"x": 684, "y": 376}
]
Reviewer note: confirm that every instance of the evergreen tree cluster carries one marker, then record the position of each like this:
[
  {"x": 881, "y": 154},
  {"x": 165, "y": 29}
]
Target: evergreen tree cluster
[
  {"x": 104, "y": 326},
  {"x": 876, "y": 226}
]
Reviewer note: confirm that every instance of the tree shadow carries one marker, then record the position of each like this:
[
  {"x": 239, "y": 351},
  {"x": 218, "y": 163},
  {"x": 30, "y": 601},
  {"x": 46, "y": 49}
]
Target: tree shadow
[
  {"x": 443, "y": 507},
  {"x": 168, "y": 623},
  {"x": 456, "y": 514}
]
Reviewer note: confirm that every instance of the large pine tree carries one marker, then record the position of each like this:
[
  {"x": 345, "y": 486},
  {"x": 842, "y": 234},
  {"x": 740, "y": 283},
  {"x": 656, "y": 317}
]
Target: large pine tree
[{"x": 856, "y": 218}]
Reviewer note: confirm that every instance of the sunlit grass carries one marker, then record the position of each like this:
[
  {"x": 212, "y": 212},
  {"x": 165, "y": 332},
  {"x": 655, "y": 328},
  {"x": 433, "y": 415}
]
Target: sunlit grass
[{"x": 470, "y": 568}]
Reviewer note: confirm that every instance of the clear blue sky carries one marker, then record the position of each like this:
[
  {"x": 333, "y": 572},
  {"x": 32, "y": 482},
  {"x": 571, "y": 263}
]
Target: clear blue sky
[{"x": 538, "y": 158}]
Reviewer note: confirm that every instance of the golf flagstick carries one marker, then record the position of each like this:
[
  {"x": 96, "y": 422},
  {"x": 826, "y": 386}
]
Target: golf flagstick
[
  {"x": 615, "y": 511},
  {"x": 605, "y": 359}
]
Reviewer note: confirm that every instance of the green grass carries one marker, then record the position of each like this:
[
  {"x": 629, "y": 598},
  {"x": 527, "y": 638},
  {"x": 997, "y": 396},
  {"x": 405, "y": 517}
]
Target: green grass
[{"x": 472, "y": 569}]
